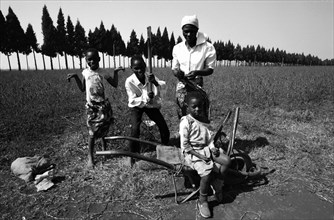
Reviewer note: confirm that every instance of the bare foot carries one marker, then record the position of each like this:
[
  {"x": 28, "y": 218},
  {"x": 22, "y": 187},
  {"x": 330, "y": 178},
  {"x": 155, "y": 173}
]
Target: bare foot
[
  {"x": 130, "y": 162},
  {"x": 90, "y": 164}
]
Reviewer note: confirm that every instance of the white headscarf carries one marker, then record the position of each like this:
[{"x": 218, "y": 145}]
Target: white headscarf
[{"x": 190, "y": 19}]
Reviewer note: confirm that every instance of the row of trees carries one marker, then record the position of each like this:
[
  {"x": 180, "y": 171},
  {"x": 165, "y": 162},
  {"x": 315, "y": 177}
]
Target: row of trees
[
  {"x": 250, "y": 55},
  {"x": 65, "y": 40}
]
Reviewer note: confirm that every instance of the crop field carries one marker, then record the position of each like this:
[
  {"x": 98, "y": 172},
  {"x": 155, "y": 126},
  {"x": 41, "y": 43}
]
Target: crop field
[{"x": 286, "y": 123}]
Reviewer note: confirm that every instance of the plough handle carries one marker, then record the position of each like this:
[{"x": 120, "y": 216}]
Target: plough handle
[
  {"x": 234, "y": 130},
  {"x": 218, "y": 133},
  {"x": 132, "y": 139},
  {"x": 135, "y": 155},
  {"x": 149, "y": 56}
]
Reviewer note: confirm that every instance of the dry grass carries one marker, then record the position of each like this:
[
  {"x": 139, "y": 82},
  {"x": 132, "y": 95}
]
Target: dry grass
[{"x": 286, "y": 123}]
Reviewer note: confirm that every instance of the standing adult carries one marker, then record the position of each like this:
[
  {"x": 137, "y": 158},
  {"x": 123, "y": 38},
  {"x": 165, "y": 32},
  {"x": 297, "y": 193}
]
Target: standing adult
[{"x": 192, "y": 59}]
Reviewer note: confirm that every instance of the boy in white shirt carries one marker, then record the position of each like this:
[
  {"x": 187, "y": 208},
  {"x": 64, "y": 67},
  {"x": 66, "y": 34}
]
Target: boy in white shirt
[{"x": 141, "y": 100}]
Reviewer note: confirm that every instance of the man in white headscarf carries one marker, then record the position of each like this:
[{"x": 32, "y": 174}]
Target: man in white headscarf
[{"x": 192, "y": 59}]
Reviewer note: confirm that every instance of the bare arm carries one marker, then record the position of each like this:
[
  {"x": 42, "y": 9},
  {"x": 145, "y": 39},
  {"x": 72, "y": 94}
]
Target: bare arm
[
  {"x": 194, "y": 73},
  {"x": 178, "y": 73},
  {"x": 152, "y": 79},
  {"x": 114, "y": 80},
  {"x": 193, "y": 152},
  {"x": 80, "y": 83}
]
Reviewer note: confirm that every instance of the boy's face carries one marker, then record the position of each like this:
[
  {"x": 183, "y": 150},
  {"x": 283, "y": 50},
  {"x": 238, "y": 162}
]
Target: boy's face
[
  {"x": 92, "y": 59},
  {"x": 195, "y": 107},
  {"x": 139, "y": 68}
]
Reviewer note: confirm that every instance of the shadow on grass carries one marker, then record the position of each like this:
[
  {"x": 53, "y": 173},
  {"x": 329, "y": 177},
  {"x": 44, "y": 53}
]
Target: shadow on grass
[
  {"x": 58, "y": 179},
  {"x": 246, "y": 146}
]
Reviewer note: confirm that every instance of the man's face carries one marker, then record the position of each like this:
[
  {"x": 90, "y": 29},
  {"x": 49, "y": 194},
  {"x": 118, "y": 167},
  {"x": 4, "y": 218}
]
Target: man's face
[
  {"x": 190, "y": 33},
  {"x": 92, "y": 60}
]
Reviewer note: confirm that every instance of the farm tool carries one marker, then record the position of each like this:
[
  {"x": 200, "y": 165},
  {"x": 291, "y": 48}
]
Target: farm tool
[
  {"x": 171, "y": 158},
  {"x": 149, "y": 56}
]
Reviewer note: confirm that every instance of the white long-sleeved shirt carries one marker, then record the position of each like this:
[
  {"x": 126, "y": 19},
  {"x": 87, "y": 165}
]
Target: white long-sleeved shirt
[
  {"x": 199, "y": 57},
  {"x": 194, "y": 135},
  {"x": 138, "y": 93}
]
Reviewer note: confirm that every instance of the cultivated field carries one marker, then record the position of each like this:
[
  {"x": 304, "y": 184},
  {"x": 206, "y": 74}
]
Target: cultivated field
[{"x": 286, "y": 124}]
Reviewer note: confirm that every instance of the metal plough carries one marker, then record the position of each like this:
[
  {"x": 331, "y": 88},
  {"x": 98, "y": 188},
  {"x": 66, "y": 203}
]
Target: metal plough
[{"x": 241, "y": 167}]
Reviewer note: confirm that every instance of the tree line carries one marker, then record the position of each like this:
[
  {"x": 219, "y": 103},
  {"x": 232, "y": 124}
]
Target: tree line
[{"x": 66, "y": 39}]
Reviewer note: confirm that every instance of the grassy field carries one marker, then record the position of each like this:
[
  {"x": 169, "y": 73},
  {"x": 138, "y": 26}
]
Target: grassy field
[{"x": 286, "y": 124}]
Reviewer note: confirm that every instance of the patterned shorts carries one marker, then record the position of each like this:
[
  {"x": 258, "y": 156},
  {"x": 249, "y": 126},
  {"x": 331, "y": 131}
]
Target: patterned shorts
[{"x": 99, "y": 118}]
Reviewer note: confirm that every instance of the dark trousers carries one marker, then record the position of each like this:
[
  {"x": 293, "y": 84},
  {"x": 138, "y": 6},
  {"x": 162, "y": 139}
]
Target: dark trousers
[{"x": 155, "y": 115}]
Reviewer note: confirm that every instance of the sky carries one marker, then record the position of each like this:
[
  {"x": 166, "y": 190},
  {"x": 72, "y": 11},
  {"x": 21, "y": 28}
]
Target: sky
[{"x": 302, "y": 26}]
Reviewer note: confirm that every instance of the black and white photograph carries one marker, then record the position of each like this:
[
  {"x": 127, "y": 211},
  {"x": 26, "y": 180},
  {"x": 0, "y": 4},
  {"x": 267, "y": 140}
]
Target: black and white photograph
[{"x": 167, "y": 110}]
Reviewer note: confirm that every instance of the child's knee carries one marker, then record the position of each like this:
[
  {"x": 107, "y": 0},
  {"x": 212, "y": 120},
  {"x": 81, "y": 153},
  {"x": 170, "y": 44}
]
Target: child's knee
[{"x": 226, "y": 160}]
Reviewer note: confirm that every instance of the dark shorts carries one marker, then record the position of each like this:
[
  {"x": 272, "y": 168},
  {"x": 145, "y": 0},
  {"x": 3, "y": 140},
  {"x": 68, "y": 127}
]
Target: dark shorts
[{"x": 99, "y": 118}]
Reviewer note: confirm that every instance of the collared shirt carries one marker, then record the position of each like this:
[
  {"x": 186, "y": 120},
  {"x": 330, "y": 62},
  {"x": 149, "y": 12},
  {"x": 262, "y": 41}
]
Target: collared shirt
[
  {"x": 138, "y": 93},
  {"x": 94, "y": 84},
  {"x": 195, "y": 135},
  {"x": 200, "y": 57}
]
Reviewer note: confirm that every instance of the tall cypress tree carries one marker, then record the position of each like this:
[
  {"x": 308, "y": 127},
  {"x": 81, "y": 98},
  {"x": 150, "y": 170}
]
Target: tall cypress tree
[
  {"x": 15, "y": 35},
  {"x": 2, "y": 33},
  {"x": 49, "y": 33},
  {"x": 109, "y": 45},
  {"x": 61, "y": 36},
  {"x": 113, "y": 34},
  {"x": 165, "y": 45},
  {"x": 170, "y": 47},
  {"x": 237, "y": 54},
  {"x": 141, "y": 45},
  {"x": 179, "y": 40},
  {"x": 70, "y": 39},
  {"x": 133, "y": 44},
  {"x": 4, "y": 38},
  {"x": 157, "y": 45},
  {"x": 101, "y": 39},
  {"x": 258, "y": 54},
  {"x": 91, "y": 38},
  {"x": 31, "y": 42},
  {"x": 119, "y": 47},
  {"x": 94, "y": 39},
  {"x": 219, "y": 47},
  {"x": 80, "y": 42}
]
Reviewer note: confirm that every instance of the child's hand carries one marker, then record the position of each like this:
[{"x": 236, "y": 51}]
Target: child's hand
[
  {"x": 215, "y": 151},
  {"x": 151, "y": 95},
  {"x": 206, "y": 159},
  {"x": 191, "y": 75},
  {"x": 70, "y": 76},
  {"x": 180, "y": 74},
  {"x": 151, "y": 78}
]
